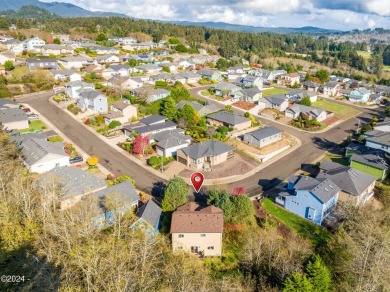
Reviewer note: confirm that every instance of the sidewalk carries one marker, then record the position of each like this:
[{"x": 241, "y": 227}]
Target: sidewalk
[{"x": 112, "y": 143}]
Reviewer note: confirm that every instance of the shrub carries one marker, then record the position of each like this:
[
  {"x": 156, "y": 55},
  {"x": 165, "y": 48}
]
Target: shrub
[
  {"x": 70, "y": 107},
  {"x": 114, "y": 124},
  {"x": 153, "y": 160}
]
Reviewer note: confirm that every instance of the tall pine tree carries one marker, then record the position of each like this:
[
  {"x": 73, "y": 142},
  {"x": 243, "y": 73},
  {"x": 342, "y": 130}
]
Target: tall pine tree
[
  {"x": 318, "y": 274},
  {"x": 297, "y": 283},
  {"x": 169, "y": 109}
]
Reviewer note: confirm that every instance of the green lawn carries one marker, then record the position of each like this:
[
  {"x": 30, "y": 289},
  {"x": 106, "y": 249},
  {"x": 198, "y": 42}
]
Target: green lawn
[
  {"x": 336, "y": 158},
  {"x": 364, "y": 54},
  {"x": 273, "y": 91},
  {"x": 112, "y": 99},
  {"x": 316, "y": 234},
  {"x": 386, "y": 68},
  {"x": 56, "y": 138},
  {"x": 340, "y": 111},
  {"x": 35, "y": 125},
  {"x": 205, "y": 93}
]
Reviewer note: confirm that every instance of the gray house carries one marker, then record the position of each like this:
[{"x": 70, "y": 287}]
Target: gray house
[
  {"x": 92, "y": 100},
  {"x": 150, "y": 94},
  {"x": 355, "y": 185},
  {"x": 224, "y": 118},
  {"x": 44, "y": 63},
  {"x": 13, "y": 119},
  {"x": 210, "y": 74},
  {"x": 263, "y": 136},
  {"x": 249, "y": 95},
  {"x": 70, "y": 183},
  {"x": 225, "y": 88},
  {"x": 278, "y": 102}
]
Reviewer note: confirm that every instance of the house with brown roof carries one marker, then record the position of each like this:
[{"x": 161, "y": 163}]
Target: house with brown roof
[{"x": 197, "y": 230}]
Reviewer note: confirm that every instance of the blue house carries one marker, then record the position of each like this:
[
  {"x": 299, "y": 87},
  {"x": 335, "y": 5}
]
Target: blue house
[
  {"x": 123, "y": 195},
  {"x": 359, "y": 95},
  {"x": 149, "y": 218},
  {"x": 312, "y": 199}
]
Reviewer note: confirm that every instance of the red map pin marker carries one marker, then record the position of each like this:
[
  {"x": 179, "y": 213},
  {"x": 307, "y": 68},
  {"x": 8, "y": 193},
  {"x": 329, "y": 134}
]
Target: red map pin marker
[{"x": 197, "y": 179}]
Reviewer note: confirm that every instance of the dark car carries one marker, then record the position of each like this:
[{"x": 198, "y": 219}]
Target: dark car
[
  {"x": 26, "y": 110},
  {"x": 76, "y": 159}
]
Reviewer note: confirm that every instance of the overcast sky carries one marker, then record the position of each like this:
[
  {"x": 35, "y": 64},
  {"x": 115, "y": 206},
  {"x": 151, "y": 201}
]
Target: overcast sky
[{"x": 336, "y": 14}]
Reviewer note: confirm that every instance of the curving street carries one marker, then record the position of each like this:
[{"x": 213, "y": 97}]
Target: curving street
[{"x": 313, "y": 146}]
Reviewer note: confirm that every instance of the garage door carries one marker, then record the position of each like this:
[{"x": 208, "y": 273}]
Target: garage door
[{"x": 182, "y": 160}]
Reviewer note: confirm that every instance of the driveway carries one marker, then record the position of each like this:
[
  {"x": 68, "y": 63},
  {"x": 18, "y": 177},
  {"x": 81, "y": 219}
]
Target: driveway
[{"x": 313, "y": 146}]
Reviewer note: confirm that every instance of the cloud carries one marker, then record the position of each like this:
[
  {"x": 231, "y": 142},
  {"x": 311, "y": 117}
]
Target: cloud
[{"x": 336, "y": 14}]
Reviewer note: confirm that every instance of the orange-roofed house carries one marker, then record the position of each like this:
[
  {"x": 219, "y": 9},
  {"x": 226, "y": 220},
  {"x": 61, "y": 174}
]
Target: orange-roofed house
[{"x": 197, "y": 230}]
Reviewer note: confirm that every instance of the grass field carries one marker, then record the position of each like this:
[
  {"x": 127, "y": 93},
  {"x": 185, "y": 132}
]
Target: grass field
[
  {"x": 364, "y": 54},
  {"x": 342, "y": 112},
  {"x": 56, "y": 138},
  {"x": 386, "y": 68},
  {"x": 273, "y": 91},
  {"x": 205, "y": 93},
  {"x": 35, "y": 125},
  {"x": 316, "y": 234}
]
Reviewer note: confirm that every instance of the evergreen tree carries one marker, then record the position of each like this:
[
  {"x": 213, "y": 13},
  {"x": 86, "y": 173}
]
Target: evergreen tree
[
  {"x": 318, "y": 274},
  {"x": 175, "y": 194},
  {"x": 190, "y": 115},
  {"x": 297, "y": 283},
  {"x": 169, "y": 108}
]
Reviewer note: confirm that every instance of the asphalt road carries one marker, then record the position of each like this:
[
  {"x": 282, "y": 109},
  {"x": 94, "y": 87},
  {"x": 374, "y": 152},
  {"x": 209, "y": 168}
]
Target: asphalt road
[{"x": 313, "y": 146}]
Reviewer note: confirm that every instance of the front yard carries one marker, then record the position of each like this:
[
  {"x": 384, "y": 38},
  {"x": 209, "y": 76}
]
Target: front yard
[
  {"x": 273, "y": 91},
  {"x": 336, "y": 158},
  {"x": 35, "y": 125},
  {"x": 340, "y": 111},
  {"x": 316, "y": 234}
]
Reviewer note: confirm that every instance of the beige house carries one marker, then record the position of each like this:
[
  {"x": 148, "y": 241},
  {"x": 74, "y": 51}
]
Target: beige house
[
  {"x": 54, "y": 49},
  {"x": 121, "y": 111},
  {"x": 197, "y": 230},
  {"x": 205, "y": 155},
  {"x": 289, "y": 79}
]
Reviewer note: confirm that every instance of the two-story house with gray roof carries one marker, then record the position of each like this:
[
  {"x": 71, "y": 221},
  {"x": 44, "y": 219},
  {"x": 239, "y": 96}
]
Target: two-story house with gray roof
[
  {"x": 230, "y": 120},
  {"x": 263, "y": 136},
  {"x": 355, "y": 185},
  {"x": 309, "y": 198},
  {"x": 205, "y": 155},
  {"x": 92, "y": 100}
]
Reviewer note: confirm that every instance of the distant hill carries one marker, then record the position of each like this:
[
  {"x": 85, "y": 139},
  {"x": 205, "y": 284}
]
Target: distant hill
[
  {"x": 256, "y": 29},
  {"x": 59, "y": 8},
  {"x": 30, "y": 11}
]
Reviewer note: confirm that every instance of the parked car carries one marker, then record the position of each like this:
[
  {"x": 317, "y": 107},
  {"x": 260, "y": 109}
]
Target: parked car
[
  {"x": 26, "y": 110},
  {"x": 33, "y": 117},
  {"x": 76, "y": 159}
]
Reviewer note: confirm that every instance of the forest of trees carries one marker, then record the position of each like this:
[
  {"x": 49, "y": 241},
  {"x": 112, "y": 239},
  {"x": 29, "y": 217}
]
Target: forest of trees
[
  {"x": 227, "y": 43},
  {"x": 63, "y": 251}
]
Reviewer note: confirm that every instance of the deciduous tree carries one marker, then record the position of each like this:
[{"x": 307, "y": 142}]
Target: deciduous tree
[{"x": 175, "y": 194}]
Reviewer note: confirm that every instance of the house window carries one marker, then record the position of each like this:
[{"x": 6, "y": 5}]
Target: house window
[
  {"x": 203, "y": 235},
  {"x": 181, "y": 235},
  {"x": 210, "y": 247},
  {"x": 194, "y": 161}
]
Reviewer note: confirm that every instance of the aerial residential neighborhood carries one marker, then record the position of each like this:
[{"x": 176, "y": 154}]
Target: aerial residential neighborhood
[{"x": 192, "y": 158}]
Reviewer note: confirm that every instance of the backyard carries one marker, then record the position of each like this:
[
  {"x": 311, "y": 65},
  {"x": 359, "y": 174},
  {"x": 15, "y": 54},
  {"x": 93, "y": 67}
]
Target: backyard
[
  {"x": 35, "y": 125},
  {"x": 340, "y": 111},
  {"x": 316, "y": 234},
  {"x": 273, "y": 91}
]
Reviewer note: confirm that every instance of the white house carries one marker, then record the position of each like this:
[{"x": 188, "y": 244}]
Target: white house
[
  {"x": 54, "y": 49},
  {"x": 40, "y": 155},
  {"x": 311, "y": 112},
  {"x": 116, "y": 70},
  {"x": 331, "y": 88},
  {"x": 107, "y": 59},
  {"x": 75, "y": 62},
  {"x": 63, "y": 75},
  {"x": 33, "y": 44},
  {"x": 73, "y": 88},
  {"x": 125, "y": 83}
]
